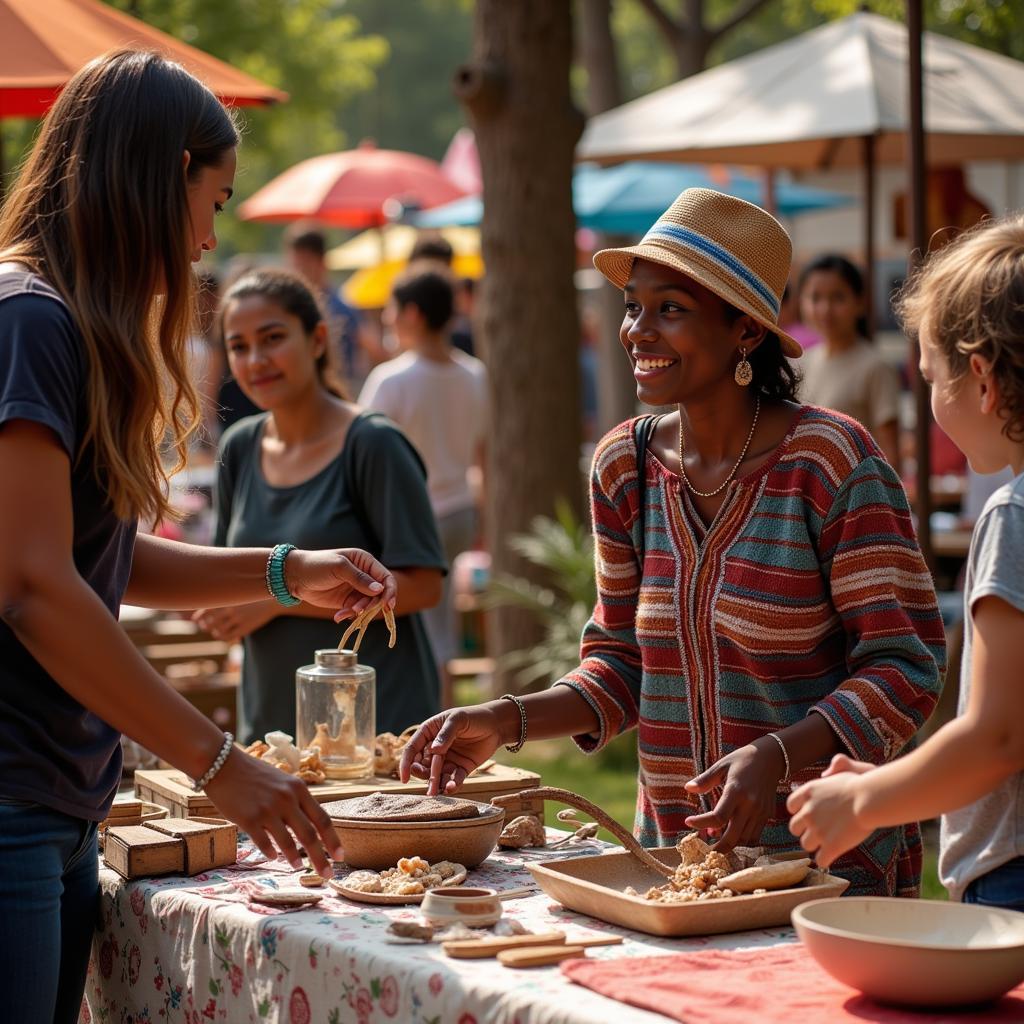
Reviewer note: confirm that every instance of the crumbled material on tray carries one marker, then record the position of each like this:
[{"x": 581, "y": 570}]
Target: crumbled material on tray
[
  {"x": 705, "y": 874},
  {"x": 403, "y": 807},
  {"x": 410, "y": 877}
]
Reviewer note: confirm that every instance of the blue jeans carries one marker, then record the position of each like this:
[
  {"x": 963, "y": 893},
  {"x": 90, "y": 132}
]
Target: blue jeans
[
  {"x": 1001, "y": 887},
  {"x": 49, "y": 901}
]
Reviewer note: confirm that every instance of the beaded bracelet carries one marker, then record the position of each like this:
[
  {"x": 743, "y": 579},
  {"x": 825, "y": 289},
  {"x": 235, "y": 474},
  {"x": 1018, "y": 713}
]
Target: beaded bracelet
[
  {"x": 275, "y": 575},
  {"x": 785, "y": 754},
  {"x": 200, "y": 784},
  {"x": 513, "y": 748}
]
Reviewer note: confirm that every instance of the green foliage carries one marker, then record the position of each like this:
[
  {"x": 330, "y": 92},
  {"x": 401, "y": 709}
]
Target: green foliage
[
  {"x": 647, "y": 63},
  {"x": 312, "y": 49},
  {"x": 563, "y": 549},
  {"x": 412, "y": 106}
]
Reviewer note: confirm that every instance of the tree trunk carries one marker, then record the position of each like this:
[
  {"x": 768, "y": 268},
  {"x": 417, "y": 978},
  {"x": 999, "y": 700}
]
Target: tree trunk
[
  {"x": 516, "y": 90},
  {"x": 616, "y": 389},
  {"x": 599, "y": 57}
]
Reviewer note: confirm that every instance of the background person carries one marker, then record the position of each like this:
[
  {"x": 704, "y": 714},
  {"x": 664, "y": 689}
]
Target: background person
[
  {"x": 306, "y": 251},
  {"x": 318, "y": 469},
  {"x": 116, "y": 198},
  {"x": 846, "y": 372},
  {"x": 757, "y": 613},
  {"x": 439, "y": 397}
]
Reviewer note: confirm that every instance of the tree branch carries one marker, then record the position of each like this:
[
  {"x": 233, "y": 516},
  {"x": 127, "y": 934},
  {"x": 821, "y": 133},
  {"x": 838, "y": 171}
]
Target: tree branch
[
  {"x": 670, "y": 28},
  {"x": 743, "y": 11}
]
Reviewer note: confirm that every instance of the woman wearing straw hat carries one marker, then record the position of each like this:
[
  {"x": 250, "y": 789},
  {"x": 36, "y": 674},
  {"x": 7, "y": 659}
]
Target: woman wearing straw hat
[{"x": 762, "y": 601}]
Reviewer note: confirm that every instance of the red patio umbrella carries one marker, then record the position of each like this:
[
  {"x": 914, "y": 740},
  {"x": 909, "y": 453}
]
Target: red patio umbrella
[
  {"x": 44, "y": 42},
  {"x": 349, "y": 189}
]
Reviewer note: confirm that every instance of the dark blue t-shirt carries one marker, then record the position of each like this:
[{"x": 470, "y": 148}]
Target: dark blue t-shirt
[{"x": 52, "y": 750}]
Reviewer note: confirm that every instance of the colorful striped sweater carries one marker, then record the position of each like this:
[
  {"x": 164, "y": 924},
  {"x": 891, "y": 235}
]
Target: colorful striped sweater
[{"x": 807, "y": 593}]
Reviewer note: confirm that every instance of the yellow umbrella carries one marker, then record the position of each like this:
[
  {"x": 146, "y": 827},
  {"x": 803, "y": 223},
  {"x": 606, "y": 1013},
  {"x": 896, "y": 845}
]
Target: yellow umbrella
[
  {"x": 371, "y": 288},
  {"x": 395, "y": 242}
]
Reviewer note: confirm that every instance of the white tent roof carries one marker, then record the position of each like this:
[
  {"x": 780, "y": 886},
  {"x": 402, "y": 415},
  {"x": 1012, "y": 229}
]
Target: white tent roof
[{"x": 807, "y": 103}]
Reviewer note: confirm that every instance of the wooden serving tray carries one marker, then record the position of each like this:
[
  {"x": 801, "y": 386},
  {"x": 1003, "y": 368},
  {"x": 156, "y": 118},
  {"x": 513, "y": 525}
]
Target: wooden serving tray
[
  {"x": 171, "y": 788},
  {"x": 594, "y": 886}
]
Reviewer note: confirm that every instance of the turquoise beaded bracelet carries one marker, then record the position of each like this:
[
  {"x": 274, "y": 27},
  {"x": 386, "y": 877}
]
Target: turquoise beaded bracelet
[{"x": 275, "y": 575}]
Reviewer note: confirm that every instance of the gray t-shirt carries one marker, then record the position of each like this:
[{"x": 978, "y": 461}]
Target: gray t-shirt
[
  {"x": 984, "y": 835},
  {"x": 372, "y": 496}
]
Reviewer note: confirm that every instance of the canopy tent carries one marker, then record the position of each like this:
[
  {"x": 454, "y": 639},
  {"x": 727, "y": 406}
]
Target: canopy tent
[
  {"x": 810, "y": 101},
  {"x": 627, "y": 199},
  {"x": 371, "y": 287},
  {"x": 350, "y": 189},
  {"x": 44, "y": 42},
  {"x": 396, "y": 242}
]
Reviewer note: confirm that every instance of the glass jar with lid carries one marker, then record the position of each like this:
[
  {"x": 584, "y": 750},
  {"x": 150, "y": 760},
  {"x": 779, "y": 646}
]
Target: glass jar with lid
[{"x": 335, "y": 710}]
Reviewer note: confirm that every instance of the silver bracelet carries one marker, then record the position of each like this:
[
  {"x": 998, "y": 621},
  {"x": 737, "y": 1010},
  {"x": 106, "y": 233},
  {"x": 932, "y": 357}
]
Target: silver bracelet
[
  {"x": 785, "y": 754},
  {"x": 200, "y": 784},
  {"x": 514, "y": 748}
]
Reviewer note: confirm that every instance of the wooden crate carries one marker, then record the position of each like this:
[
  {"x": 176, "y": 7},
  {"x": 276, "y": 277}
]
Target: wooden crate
[
  {"x": 171, "y": 789},
  {"x": 209, "y": 842},
  {"x": 136, "y": 851}
]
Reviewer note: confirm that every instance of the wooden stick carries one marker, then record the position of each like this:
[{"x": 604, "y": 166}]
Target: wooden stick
[
  {"x": 389, "y": 618},
  {"x": 581, "y": 803},
  {"x": 352, "y": 626},
  {"x": 539, "y": 956}
]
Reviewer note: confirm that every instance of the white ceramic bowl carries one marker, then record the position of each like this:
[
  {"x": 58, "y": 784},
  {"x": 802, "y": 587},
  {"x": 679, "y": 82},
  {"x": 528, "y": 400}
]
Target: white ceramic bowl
[
  {"x": 915, "y": 952},
  {"x": 475, "y": 908}
]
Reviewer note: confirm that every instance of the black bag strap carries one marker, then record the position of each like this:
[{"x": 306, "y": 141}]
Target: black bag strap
[{"x": 643, "y": 431}]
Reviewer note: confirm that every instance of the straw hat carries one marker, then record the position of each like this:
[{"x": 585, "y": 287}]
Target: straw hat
[{"x": 731, "y": 247}]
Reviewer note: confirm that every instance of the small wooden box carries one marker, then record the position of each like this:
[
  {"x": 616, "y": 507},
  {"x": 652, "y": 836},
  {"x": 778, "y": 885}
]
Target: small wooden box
[
  {"x": 209, "y": 842},
  {"x": 170, "y": 788},
  {"x": 136, "y": 851}
]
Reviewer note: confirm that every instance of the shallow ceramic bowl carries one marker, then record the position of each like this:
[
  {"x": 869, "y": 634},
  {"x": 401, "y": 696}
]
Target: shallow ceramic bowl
[
  {"x": 475, "y": 908},
  {"x": 381, "y": 844},
  {"x": 915, "y": 952}
]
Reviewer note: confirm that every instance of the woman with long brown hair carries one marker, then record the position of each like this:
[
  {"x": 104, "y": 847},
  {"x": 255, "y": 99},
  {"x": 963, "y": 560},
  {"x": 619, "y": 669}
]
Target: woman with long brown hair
[{"x": 117, "y": 197}]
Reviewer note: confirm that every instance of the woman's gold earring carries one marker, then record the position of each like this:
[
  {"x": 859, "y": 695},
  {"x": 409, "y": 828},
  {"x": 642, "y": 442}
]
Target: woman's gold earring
[{"x": 744, "y": 372}]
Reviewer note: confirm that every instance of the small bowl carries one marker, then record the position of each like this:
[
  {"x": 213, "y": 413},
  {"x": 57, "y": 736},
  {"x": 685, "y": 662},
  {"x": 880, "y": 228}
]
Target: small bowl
[
  {"x": 381, "y": 844},
  {"x": 475, "y": 908},
  {"x": 915, "y": 952}
]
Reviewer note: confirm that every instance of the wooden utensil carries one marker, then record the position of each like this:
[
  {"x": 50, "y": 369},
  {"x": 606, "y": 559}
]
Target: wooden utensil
[
  {"x": 480, "y": 949},
  {"x": 581, "y": 803},
  {"x": 539, "y": 956}
]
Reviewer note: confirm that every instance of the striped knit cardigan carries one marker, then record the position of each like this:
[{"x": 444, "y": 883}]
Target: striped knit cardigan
[{"x": 807, "y": 594}]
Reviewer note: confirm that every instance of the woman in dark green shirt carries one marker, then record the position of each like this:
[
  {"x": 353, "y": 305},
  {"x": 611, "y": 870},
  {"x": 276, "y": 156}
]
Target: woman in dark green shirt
[{"x": 317, "y": 470}]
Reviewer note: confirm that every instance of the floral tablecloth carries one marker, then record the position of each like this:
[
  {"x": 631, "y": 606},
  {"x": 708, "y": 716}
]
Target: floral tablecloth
[{"x": 192, "y": 950}]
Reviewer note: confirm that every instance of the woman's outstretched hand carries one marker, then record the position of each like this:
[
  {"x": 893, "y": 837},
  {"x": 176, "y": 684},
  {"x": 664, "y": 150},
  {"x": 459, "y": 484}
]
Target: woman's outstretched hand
[
  {"x": 447, "y": 747},
  {"x": 276, "y": 810},
  {"x": 345, "y": 579},
  {"x": 748, "y": 778}
]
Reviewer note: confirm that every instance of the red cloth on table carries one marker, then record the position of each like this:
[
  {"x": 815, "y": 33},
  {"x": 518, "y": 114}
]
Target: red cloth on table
[{"x": 782, "y": 984}]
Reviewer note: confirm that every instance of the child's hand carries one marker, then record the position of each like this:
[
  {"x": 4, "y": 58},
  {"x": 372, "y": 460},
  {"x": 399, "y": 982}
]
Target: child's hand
[
  {"x": 827, "y": 815},
  {"x": 841, "y": 763}
]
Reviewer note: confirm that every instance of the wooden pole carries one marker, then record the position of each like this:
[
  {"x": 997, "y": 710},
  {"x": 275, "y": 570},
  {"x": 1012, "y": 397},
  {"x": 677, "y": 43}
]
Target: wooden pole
[
  {"x": 870, "y": 200},
  {"x": 771, "y": 203},
  {"x": 918, "y": 245}
]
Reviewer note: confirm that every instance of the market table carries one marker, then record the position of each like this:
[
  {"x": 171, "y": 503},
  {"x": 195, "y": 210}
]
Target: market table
[{"x": 195, "y": 949}]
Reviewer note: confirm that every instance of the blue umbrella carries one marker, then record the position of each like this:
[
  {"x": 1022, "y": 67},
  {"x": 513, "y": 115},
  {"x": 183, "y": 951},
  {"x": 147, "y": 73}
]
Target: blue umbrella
[{"x": 628, "y": 199}]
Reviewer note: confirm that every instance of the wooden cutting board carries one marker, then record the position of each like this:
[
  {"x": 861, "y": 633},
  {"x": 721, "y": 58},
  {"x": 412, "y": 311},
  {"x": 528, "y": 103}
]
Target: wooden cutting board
[{"x": 172, "y": 789}]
